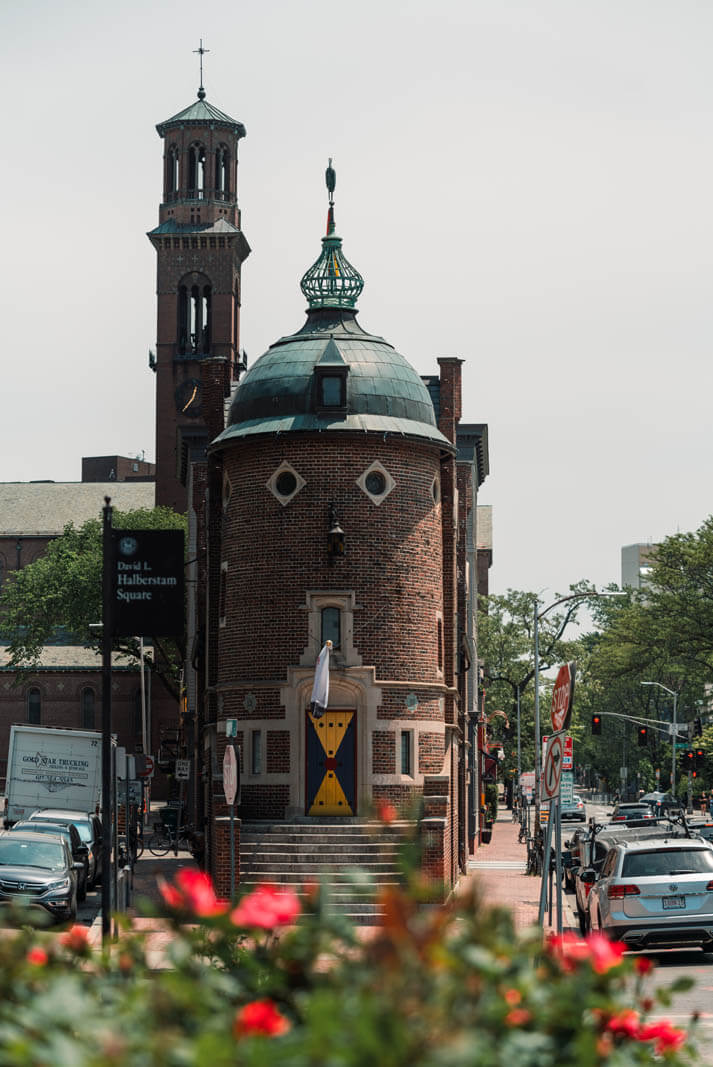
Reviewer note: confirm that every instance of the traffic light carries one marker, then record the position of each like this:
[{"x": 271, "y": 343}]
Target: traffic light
[
  {"x": 596, "y": 724},
  {"x": 643, "y": 736},
  {"x": 688, "y": 760},
  {"x": 699, "y": 757}
]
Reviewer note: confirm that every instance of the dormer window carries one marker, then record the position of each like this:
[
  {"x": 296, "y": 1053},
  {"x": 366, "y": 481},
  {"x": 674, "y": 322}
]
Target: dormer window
[
  {"x": 332, "y": 387},
  {"x": 330, "y": 379}
]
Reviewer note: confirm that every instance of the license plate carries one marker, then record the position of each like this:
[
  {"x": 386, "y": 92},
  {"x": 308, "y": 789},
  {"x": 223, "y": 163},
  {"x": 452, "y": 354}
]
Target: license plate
[{"x": 673, "y": 902}]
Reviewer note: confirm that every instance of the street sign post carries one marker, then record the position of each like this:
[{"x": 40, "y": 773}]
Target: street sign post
[{"x": 183, "y": 770}]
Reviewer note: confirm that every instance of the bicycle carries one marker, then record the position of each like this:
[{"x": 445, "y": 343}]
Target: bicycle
[{"x": 166, "y": 837}]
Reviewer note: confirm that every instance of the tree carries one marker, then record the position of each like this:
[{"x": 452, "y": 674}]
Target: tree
[
  {"x": 59, "y": 596},
  {"x": 506, "y": 648}
]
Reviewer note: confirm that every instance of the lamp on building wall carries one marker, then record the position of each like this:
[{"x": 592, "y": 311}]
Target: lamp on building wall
[{"x": 335, "y": 540}]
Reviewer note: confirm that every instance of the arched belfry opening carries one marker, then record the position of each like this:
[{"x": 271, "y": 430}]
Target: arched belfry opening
[{"x": 194, "y": 316}]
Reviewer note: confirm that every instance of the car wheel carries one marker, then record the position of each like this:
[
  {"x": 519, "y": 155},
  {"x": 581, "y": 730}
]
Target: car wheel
[
  {"x": 582, "y": 921},
  {"x": 73, "y": 909},
  {"x": 82, "y": 889}
]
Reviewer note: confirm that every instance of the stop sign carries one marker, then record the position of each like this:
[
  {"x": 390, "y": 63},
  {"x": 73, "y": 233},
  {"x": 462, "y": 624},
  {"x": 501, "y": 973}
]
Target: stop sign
[
  {"x": 230, "y": 774},
  {"x": 562, "y": 694}
]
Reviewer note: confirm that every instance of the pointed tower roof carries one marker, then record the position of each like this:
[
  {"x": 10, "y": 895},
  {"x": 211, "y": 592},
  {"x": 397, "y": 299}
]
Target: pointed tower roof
[{"x": 201, "y": 113}]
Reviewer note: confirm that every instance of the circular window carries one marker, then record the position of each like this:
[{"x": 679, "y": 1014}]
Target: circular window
[
  {"x": 285, "y": 483},
  {"x": 375, "y": 483}
]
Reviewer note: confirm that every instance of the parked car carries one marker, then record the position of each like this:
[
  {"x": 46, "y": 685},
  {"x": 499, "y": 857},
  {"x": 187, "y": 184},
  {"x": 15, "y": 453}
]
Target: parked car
[
  {"x": 702, "y": 826},
  {"x": 90, "y": 831},
  {"x": 574, "y": 809},
  {"x": 655, "y": 892},
  {"x": 38, "y": 870},
  {"x": 594, "y": 846},
  {"x": 70, "y": 833},
  {"x": 631, "y": 812},
  {"x": 662, "y": 803}
]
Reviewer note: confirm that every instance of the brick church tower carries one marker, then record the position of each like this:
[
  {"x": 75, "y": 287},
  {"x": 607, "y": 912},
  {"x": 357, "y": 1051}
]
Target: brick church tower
[
  {"x": 200, "y": 248},
  {"x": 335, "y": 515}
]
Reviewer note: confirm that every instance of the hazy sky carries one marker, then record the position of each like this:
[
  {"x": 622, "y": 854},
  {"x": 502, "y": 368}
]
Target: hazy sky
[{"x": 526, "y": 185}]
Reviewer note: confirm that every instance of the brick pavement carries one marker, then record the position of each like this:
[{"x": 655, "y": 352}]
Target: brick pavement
[{"x": 499, "y": 871}]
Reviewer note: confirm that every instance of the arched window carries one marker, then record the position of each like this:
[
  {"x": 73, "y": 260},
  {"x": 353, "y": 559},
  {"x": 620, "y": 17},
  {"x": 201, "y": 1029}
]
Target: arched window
[
  {"x": 34, "y": 706},
  {"x": 196, "y": 171},
  {"x": 222, "y": 173},
  {"x": 87, "y": 700},
  {"x": 173, "y": 174}
]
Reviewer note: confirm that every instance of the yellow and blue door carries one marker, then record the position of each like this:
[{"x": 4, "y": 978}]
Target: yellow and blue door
[{"x": 331, "y": 763}]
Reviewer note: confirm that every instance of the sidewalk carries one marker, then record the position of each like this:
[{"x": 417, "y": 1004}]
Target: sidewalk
[{"x": 499, "y": 871}]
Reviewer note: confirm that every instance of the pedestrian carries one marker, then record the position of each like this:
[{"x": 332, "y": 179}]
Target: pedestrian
[{"x": 704, "y": 803}]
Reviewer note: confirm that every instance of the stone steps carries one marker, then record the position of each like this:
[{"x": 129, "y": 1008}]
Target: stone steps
[{"x": 353, "y": 859}]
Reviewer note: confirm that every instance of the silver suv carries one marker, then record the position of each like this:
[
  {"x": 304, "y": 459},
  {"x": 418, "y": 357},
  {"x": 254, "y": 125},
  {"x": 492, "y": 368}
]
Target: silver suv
[{"x": 655, "y": 892}]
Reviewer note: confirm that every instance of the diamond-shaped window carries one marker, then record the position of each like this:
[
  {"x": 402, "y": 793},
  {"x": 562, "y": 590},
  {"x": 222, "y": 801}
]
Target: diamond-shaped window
[
  {"x": 376, "y": 482},
  {"x": 285, "y": 483}
]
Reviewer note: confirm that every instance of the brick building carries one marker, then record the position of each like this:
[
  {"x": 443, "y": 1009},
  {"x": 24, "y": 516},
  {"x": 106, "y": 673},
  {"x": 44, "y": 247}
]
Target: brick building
[
  {"x": 65, "y": 688},
  {"x": 200, "y": 248},
  {"x": 341, "y": 504}
]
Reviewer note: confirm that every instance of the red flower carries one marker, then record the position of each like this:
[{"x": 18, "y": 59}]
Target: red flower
[
  {"x": 386, "y": 812},
  {"x": 666, "y": 1036},
  {"x": 76, "y": 939},
  {"x": 260, "y": 1017},
  {"x": 626, "y": 1024},
  {"x": 193, "y": 891},
  {"x": 643, "y": 965},
  {"x": 518, "y": 1017},
  {"x": 266, "y": 908},
  {"x": 595, "y": 949},
  {"x": 605, "y": 954},
  {"x": 37, "y": 956},
  {"x": 512, "y": 996}
]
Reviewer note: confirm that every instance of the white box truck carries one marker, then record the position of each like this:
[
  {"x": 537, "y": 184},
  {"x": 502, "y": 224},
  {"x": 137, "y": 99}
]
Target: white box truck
[{"x": 52, "y": 768}]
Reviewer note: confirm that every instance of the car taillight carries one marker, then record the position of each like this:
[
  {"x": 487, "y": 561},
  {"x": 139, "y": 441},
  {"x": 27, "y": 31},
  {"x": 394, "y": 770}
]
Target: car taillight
[
  {"x": 619, "y": 818},
  {"x": 709, "y": 887},
  {"x": 616, "y": 892}
]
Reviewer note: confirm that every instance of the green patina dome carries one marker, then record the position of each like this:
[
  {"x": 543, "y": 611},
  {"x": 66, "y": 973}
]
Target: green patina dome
[{"x": 380, "y": 390}]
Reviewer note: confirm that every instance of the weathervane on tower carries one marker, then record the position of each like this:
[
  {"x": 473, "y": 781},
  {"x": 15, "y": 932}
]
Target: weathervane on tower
[{"x": 201, "y": 51}]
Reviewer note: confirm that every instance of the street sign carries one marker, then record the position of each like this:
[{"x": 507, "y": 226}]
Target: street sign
[
  {"x": 230, "y": 775},
  {"x": 183, "y": 770},
  {"x": 231, "y": 727},
  {"x": 567, "y": 757},
  {"x": 567, "y": 787},
  {"x": 552, "y": 767},
  {"x": 144, "y": 766},
  {"x": 562, "y": 696},
  {"x": 147, "y": 583}
]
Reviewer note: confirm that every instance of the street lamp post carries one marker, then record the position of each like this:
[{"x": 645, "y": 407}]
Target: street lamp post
[
  {"x": 537, "y": 616},
  {"x": 538, "y": 761},
  {"x": 674, "y": 694}
]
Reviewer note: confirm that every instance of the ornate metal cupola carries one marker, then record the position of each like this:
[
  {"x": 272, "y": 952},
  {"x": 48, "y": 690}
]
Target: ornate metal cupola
[{"x": 332, "y": 282}]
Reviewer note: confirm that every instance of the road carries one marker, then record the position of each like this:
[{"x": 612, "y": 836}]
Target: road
[{"x": 672, "y": 964}]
